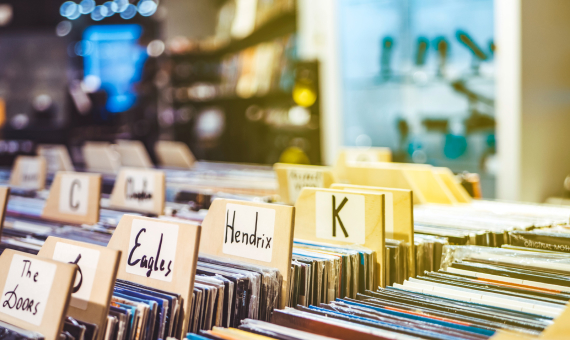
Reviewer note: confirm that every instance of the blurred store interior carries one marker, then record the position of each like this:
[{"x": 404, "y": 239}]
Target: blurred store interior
[{"x": 478, "y": 86}]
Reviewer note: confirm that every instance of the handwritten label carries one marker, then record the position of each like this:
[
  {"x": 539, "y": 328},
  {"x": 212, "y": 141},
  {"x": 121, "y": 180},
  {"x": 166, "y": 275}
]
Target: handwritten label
[
  {"x": 340, "y": 217},
  {"x": 86, "y": 260},
  {"x": 355, "y": 156},
  {"x": 152, "y": 249},
  {"x": 249, "y": 232},
  {"x": 29, "y": 173},
  {"x": 139, "y": 189},
  {"x": 74, "y": 194},
  {"x": 27, "y": 288},
  {"x": 300, "y": 178}
]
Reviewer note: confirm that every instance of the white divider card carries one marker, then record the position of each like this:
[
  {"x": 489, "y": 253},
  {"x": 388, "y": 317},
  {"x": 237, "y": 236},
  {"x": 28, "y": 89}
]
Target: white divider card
[
  {"x": 57, "y": 157},
  {"x": 257, "y": 233},
  {"x": 74, "y": 198},
  {"x": 95, "y": 279},
  {"x": 344, "y": 218},
  {"x": 140, "y": 190},
  {"x": 249, "y": 232},
  {"x": 29, "y": 172},
  {"x": 293, "y": 178},
  {"x": 35, "y": 292},
  {"x": 159, "y": 254}
]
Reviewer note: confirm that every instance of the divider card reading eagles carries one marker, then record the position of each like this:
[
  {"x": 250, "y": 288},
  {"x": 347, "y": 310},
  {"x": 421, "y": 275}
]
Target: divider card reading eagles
[
  {"x": 29, "y": 172},
  {"x": 35, "y": 292},
  {"x": 96, "y": 273},
  {"x": 139, "y": 190},
  {"x": 159, "y": 254},
  {"x": 257, "y": 233},
  {"x": 74, "y": 198},
  {"x": 293, "y": 178},
  {"x": 342, "y": 217}
]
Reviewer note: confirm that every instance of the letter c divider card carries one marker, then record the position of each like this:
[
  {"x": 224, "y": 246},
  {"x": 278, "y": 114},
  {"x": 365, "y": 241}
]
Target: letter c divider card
[
  {"x": 258, "y": 233},
  {"x": 159, "y": 254},
  {"x": 74, "y": 198},
  {"x": 141, "y": 190},
  {"x": 35, "y": 292},
  {"x": 94, "y": 281},
  {"x": 344, "y": 218}
]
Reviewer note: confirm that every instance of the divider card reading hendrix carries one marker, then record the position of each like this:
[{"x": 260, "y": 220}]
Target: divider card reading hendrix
[
  {"x": 344, "y": 218},
  {"x": 140, "y": 190},
  {"x": 35, "y": 292},
  {"x": 95, "y": 279},
  {"x": 159, "y": 254},
  {"x": 74, "y": 198},
  {"x": 262, "y": 235}
]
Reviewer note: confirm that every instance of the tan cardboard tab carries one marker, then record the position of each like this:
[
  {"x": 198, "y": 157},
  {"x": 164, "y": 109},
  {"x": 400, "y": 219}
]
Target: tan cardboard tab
[
  {"x": 74, "y": 198},
  {"x": 356, "y": 155},
  {"x": 359, "y": 219},
  {"x": 47, "y": 282},
  {"x": 57, "y": 157},
  {"x": 133, "y": 154},
  {"x": 246, "y": 218},
  {"x": 142, "y": 190},
  {"x": 174, "y": 154},
  {"x": 294, "y": 177},
  {"x": 29, "y": 172},
  {"x": 100, "y": 157},
  {"x": 4, "y": 195},
  {"x": 180, "y": 239},
  {"x": 98, "y": 273},
  {"x": 457, "y": 190},
  {"x": 402, "y": 216}
]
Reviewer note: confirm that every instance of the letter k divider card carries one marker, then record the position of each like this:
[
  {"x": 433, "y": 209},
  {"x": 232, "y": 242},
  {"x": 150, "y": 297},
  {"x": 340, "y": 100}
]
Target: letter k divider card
[
  {"x": 35, "y": 292},
  {"x": 343, "y": 218},
  {"x": 257, "y": 233},
  {"x": 159, "y": 254}
]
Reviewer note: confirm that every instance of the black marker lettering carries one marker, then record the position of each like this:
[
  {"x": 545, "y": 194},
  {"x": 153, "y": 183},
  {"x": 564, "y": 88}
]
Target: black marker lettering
[
  {"x": 335, "y": 217},
  {"x": 74, "y": 205},
  {"x": 268, "y": 242},
  {"x": 237, "y": 236},
  {"x": 137, "y": 244}
]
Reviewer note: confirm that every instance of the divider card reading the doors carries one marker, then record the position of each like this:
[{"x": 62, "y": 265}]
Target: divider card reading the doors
[
  {"x": 96, "y": 274},
  {"x": 344, "y": 218},
  {"x": 74, "y": 198},
  {"x": 293, "y": 178},
  {"x": 159, "y": 254},
  {"x": 152, "y": 249},
  {"x": 35, "y": 292},
  {"x": 249, "y": 232},
  {"x": 29, "y": 173},
  {"x": 262, "y": 235},
  {"x": 139, "y": 190}
]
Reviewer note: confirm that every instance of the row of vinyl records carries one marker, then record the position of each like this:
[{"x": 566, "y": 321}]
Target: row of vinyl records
[{"x": 200, "y": 272}]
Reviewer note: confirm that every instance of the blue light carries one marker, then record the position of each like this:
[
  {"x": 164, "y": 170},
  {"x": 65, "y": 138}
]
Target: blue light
[
  {"x": 111, "y": 8},
  {"x": 147, "y": 7},
  {"x": 86, "y": 6},
  {"x": 130, "y": 12},
  {"x": 67, "y": 8},
  {"x": 117, "y": 60},
  {"x": 121, "y": 5},
  {"x": 98, "y": 13}
]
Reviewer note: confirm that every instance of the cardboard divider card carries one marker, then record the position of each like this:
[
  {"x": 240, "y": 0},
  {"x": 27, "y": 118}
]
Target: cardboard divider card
[
  {"x": 141, "y": 190},
  {"x": 35, "y": 292},
  {"x": 399, "y": 215},
  {"x": 94, "y": 282},
  {"x": 159, "y": 254},
  {"x": 74, "y": 198},
  {"x": 456, "y": 189},
  {"x": 4, "y": 194},
  {"x": 356, "y": 155},
  {"x": 257, "y": 233},
  {"x": 343, "y": 218},
  {"x": 57, "y": 157},
  {"x": 174, "y": 154},
  {"x": 29, "y": 172},
  {"x": 133, "y": 154},
  {"x": 293, "y": 177},
  {"x": 100, "y": 157}
]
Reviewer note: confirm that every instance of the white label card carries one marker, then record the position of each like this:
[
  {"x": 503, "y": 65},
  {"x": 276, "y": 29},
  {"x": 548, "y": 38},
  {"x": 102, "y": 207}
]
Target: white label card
[
  {"x": 248, "y": 232},
  {"x": 29, "y": 173},
  {"x": 152, "y": 249},
  {"x": 27, "y": 289},
  {"x": 340, "y": 217},
  {"x": 298, "y": 179},
  {"x": 139, "y": 189},
  {"x": 355, "y": 156},
  {"x": 86, "y": 260},
  {"x": 74, "y": 194}
]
